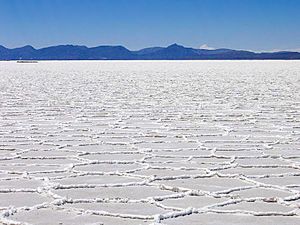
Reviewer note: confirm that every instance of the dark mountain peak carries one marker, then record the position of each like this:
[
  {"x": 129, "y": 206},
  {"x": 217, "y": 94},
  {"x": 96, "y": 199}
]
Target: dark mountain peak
[
  {"x": 25, "y": 48},
  {"x": 67, "y": 46},
  {"x": 72, "y": 46},
  {"x": 119, "y": 47},
  {"x": 28, "y": 47},
  {"x": 75, "y": 46},
  {"x": 110, "y": 52},
  {"x": 111, "y": 47},
  {"x": 175, "y": 45}
]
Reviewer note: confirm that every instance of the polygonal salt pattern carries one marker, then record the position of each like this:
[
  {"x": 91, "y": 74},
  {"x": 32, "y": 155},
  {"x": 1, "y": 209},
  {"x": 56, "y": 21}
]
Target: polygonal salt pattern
[{"x": 150, "y": 142}]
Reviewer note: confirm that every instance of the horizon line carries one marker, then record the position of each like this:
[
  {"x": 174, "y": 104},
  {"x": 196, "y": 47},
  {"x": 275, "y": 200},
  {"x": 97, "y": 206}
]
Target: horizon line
[{"x": 119, "y": 45}]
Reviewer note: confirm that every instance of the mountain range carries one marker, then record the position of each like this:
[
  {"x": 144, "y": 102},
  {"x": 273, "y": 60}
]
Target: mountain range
[{"x": 172, "y": 52}]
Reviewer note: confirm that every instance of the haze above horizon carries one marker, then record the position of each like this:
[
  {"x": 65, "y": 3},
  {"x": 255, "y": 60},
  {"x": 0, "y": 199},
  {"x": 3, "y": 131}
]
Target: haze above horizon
[{"x": 257, "y": 25}]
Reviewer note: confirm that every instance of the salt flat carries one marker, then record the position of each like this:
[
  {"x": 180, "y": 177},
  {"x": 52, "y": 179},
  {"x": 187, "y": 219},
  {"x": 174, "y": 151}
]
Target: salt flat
[{"x": 150, "y": 142}]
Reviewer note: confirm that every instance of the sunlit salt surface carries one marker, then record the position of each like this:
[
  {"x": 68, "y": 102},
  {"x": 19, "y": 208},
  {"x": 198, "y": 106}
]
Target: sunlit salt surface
[{"x": 127, "y": 142}]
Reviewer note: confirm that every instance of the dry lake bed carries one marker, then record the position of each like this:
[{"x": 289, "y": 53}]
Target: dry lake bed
[{"x": 150, "y": 142}]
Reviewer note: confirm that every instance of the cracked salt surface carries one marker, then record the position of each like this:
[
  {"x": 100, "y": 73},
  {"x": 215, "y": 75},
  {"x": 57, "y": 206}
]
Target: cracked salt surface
[{"x": 150, "y": 142}]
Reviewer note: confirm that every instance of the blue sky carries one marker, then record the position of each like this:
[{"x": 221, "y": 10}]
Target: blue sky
[{"x": 239, "y": 24}]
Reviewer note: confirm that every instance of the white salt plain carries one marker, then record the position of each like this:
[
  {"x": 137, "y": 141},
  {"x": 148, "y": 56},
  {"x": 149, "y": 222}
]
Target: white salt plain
[{"x": 150, "y": 142}]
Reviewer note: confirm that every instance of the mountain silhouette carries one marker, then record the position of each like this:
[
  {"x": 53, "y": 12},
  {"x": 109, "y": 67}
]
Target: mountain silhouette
[{"x": 172, "y": 52}]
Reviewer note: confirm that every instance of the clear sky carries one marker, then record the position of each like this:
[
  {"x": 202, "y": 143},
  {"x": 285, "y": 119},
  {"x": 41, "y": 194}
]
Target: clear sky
[{"x": 239, "y": 24}]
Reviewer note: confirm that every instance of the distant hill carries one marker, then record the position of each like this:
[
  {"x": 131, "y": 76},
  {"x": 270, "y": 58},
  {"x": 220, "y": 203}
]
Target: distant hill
[{"x": 172, "y": 52}]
